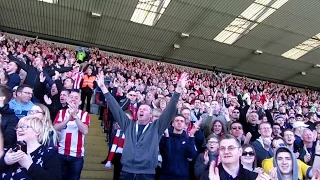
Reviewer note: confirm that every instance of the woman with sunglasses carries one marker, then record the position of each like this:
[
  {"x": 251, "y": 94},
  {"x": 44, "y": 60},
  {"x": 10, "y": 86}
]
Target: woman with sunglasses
[
  {"x": 201, "y": 167},
  {"x": 31, "y": 160},
  {"x": 248, "y": 159},
  {"x": 42, "y": 112}
]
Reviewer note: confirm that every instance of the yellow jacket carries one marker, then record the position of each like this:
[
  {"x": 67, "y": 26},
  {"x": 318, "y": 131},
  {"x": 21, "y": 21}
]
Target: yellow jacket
[{"x": 304, "y": 169}]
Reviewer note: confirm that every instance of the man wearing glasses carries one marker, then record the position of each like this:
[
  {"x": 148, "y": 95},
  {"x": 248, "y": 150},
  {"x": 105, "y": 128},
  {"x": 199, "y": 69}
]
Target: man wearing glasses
[
  {"x": 237, "y": 131},
  {"x": 263, "y": 143},
  {"x": 22, "y": 103},
  {"x": 230, "y": 167}
]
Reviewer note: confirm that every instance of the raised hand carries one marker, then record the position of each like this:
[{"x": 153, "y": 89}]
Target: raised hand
[
  {"x": 166, "y": 133},
  {"x": 194, "y": 129},
  {"x": 213, "y": 171},
  {"x": 317, "y": 148},
  {"x": 248, "y": 138},
  {"x": 273, "y": 174},
  {"x": 47, "y": 100},
  {"x": 56, "y": 75},
  {"x": 182, "y": 82},
  {"x": 317, "y": 175},
  {"x": 264, "y": 176},
  {"x": 100, "y": 79},
  {"x": 42, "y": 77},
  {"x": 73, "y": 110},
  {"x": 26, "y": 161},
  {"x": 12, "y": 157},
  {"x": 206, "y": 157}
]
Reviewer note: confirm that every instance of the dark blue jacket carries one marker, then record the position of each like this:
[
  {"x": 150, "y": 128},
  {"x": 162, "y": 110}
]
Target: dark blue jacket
[
  {"x": 8, "y": 123},
  {"x": 14, "y": 80},
  {"x": 176, "y": 150},
  {"x": 262, "y": 153}
]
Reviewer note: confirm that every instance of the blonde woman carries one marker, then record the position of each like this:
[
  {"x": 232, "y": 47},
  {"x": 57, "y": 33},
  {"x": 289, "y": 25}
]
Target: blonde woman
[
  {"x": 42, "y": 112},
  {"x": 35, "y": 161}
]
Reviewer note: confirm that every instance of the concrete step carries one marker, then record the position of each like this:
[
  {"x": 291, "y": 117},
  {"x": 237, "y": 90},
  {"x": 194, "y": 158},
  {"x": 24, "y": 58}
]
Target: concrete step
[
  {"x": 97, "y": 139},
  {"x": 101, "y": 154},
  {"x": 106, "y": 174},
  {"x": 96, "y": 151},
  {"x": 94, "y": 166},
  {"x": 95, "y": 146},
  {"x": 94, "y": 159}
]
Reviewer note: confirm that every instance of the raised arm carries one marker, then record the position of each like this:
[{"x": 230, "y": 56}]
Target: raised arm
[
  {"x": 114, "y": 107},
  {"x": 168, "y": 113},
  {"x": 23, "y": 65},
  {"x": 164, "y": 146},
  {"x": 316, "y": 161}
]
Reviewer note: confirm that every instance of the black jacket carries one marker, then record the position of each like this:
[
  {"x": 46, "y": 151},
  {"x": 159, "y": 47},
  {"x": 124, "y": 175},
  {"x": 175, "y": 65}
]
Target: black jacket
[
  {"x": 9, "y": 122},
  {"x": 176, "y": 151},
  {"x": 242, "y": 175}
]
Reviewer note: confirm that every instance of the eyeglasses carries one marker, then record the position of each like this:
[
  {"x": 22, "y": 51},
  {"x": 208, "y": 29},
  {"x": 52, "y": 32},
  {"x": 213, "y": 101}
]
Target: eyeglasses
[
  {"x": 236, "y": 127},
  {"x": 212, "y": 142},
  {"x": 250, "y": 153},
  {"x": 230, "y": 148},
  {"x": 22, "y": 127},
  {"x": 35, "y": 112}
]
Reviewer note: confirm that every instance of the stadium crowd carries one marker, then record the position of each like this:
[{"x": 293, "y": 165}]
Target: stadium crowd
[{"x": 162, "y": 121}]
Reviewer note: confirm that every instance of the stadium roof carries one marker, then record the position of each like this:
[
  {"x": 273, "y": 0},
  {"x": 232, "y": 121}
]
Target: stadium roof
[{"x": 222, "y": 33}]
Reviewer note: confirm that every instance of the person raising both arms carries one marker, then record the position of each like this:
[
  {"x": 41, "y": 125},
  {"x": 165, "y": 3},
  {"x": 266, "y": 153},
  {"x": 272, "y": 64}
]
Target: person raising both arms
[{"x": 140, "y": 149}]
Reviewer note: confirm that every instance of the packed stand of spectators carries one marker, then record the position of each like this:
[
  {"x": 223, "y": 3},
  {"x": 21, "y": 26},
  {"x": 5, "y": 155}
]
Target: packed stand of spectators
[{"x": 163, "y": 121}]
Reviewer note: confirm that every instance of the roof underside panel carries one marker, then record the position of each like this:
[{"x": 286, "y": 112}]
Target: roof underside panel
[{"x": 290, "y": 25}]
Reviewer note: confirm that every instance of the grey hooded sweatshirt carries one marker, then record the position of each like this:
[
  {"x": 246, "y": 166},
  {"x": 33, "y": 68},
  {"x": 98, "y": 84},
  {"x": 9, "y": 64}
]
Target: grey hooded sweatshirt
[{"x": 295, "y": 168}]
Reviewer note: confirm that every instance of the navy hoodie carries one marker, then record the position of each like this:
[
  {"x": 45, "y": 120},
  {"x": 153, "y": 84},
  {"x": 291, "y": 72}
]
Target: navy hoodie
[{"x": 176, "y": 151}]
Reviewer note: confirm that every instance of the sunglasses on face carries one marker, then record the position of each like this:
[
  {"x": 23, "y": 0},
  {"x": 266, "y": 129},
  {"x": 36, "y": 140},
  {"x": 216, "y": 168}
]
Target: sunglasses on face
[{"x": 250, "y": 153}]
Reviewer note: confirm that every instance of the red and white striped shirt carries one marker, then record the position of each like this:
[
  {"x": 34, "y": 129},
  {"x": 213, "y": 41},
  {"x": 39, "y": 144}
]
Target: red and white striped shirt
[
  {"x": 71, "y": 142},
  {"x": 77, "y": 77}
]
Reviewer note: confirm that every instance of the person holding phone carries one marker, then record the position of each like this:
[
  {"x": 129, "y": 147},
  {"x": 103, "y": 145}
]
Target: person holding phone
[{"x": 32, "y": 160}]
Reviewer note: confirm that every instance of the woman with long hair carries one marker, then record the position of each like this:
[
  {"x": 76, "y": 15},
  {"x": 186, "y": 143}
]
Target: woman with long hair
[
  {"x": 217, "y": 128},
  {"x": 248, "y": 159},
  {"x": 42, "y": 112},
  {"x": 30, "y": 159}
]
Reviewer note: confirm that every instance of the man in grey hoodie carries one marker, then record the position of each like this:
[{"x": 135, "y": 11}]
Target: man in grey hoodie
[
  {"x": 286, "y": 165},
  {"x": 140, "y": 151}
]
